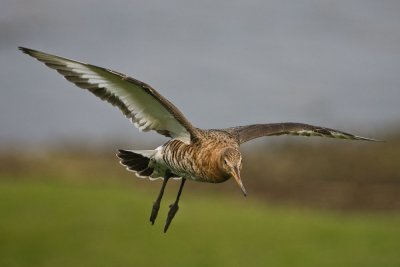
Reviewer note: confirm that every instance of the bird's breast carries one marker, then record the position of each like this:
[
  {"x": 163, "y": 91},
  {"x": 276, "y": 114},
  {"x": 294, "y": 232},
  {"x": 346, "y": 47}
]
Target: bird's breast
[{"x": 198, "y": 162}]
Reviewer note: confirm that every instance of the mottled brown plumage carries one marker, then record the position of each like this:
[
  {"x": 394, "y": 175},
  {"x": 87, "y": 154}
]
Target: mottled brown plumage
[
  {"x": 201, "y": 159},
  {"x": 211, "y": 156}
]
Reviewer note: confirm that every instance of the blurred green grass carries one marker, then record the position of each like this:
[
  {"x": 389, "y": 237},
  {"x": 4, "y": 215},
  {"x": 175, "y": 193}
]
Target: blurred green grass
[
  {"x": 55, "y": 223},
  {"x": 71, "y": 207}
]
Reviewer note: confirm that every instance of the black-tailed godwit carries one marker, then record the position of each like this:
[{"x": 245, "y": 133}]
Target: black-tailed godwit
[{"x": 195, "y": 154}]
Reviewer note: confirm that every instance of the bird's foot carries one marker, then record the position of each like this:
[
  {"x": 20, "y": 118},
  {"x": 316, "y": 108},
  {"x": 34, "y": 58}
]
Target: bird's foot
[
  {"x": 154, "y": 212},
  {"x": 173, "y": 209}
]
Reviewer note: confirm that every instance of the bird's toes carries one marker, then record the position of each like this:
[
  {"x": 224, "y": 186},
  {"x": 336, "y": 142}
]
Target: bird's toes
[
  {"x": 154, "y": 212},
  {"x": 173, "y": 209}
]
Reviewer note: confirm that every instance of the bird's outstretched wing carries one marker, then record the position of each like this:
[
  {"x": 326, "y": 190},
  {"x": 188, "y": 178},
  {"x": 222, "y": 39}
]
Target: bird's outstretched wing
[
  {"x": 146, "y": 108},
  {"x": 249, "y": 132}
]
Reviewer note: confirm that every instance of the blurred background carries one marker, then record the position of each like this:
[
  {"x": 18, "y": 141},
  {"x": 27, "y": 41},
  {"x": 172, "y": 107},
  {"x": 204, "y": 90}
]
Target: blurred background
[{"x": 66, "y": 201}]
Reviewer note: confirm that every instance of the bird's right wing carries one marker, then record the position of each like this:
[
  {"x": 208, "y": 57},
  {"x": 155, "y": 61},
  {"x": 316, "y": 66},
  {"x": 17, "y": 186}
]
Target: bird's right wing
[
  {"x": 249, "y": 132},
  {"x": 146, "y": 108}
]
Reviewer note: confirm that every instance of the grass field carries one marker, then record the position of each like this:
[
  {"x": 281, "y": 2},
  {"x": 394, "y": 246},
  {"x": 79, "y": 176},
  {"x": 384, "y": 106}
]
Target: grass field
[
  {"x": 63, "y": 224},
  {"x": 83, "y": 209}
]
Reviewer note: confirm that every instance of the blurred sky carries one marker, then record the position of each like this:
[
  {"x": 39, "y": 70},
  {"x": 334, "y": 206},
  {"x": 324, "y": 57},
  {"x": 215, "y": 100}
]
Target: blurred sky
[{"x": 223, "y": 63}]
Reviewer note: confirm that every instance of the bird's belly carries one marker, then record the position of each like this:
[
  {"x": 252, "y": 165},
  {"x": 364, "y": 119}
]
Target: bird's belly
[
  {"x": 210, "y": 179},
  {"x": 194, "y": 176}
]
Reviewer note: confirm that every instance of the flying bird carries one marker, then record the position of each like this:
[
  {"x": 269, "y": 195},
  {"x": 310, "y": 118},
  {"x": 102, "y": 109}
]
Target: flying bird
[{"x": 191, "y": 153}]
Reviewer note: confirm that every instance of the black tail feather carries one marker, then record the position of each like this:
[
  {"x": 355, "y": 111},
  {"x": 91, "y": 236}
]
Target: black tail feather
[{"x": 135, "y": 162}]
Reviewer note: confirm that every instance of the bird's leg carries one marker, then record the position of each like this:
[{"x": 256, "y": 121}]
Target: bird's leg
[
  {"x": 173, "y": 208},
  {"x": 156, "y": 204}
]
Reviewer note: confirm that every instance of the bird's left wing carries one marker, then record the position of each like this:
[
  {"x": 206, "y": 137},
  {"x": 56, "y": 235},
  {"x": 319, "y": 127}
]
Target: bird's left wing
[
  {"x": 146, "y": 108},
  {"x": 249, "y": 132}
]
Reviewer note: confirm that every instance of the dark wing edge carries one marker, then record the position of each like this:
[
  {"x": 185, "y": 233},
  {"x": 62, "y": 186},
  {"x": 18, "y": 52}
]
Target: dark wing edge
[
  {"x": 250, "y": 132},
  {"x": 106, "y": 95}
]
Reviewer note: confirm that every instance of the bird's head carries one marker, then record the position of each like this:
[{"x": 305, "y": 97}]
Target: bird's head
[{"x": 231, "y": 164}]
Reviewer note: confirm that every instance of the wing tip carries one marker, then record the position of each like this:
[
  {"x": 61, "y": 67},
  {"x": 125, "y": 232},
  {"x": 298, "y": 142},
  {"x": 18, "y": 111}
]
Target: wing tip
[
  {"x": 368, "y": 139},
  {"x": 25, "y": 50},
  {"x": 31, "y": 52}
]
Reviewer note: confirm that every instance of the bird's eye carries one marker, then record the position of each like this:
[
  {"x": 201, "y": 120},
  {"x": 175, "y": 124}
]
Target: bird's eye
[{"x": 225, "y": 161}]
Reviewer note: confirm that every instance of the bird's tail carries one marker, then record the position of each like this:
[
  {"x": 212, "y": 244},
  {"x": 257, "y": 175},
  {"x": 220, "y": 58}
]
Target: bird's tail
[{"x": 137, "y": 161}]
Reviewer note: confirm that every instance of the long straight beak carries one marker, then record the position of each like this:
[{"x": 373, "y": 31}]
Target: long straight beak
[{"x": 236, "y": 175}]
